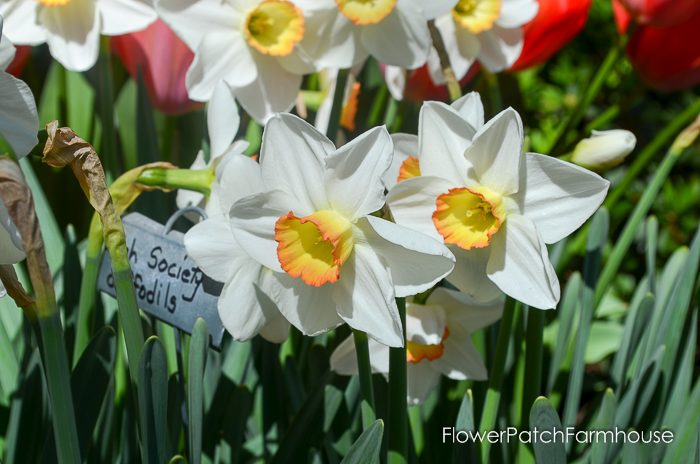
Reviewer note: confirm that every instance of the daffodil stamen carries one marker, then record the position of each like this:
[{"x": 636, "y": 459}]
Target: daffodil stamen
[
  {"x": 476, "y": 15},
  {"x": 314, "y": 247},
  {"x": 416, "y": 352},
  {"x": 365, "y": 12},
  {"x": 274, "y": 27},
  {"x": 409, "y": 168},
  {"x": 54, "y": 2},
  {"x": 468, "y": 217}
]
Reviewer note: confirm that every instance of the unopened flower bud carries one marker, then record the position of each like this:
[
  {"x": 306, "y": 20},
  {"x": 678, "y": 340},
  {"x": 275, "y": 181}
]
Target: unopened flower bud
[{"x": 604, "y": 149}]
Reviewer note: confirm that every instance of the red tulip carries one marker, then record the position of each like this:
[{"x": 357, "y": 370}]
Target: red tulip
[
  {"x": 164, "y": 60},
  {"x": 667, "y": 58},
  {"x": 20, "y": 61},
  {"x": 659, "y": 13},
  {"x": 556, "y": 24}
]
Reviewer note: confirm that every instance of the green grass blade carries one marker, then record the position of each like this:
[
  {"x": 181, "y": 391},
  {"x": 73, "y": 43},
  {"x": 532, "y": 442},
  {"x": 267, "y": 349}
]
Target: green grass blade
[
  {"x": 195, "y": 395},
  {"x": 685, "y": 444},
  {"x": 544, "y": 417},
  {"x": 605, "y": 420},
  {"x": 153, "y": 402},
  {"x": 597, "y": 236},
  {"x": 637, "y": 321},
  {"x": 652, "y": 242},
  {"x": 566, "y": 316},
  {"x": 367, "y": 447}
]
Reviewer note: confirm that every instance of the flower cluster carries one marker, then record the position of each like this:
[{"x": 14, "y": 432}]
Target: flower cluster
[{"x": 304, "y": 236}]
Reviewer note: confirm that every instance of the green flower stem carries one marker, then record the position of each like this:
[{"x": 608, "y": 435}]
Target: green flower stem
[
  {"x": 453, "y": 88},
  {"x": 88, "y": 287},
  {"x": 623, "y": 243},
  {"x": 533, "y": 361},
  {"x": 574, "y": 117},
  {"x": 398, "y": 394},
  {"x": 337, "y": 108},
  {"x": 198, "y": 180},
  {"x": 661, "y": 140},
  {"x": 493, "y": 394},
  {"x": 365, "y": 370}
]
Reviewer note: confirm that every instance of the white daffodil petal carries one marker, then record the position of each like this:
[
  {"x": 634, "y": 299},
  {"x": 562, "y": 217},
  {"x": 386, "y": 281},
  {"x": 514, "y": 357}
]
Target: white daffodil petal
[
  {"x": 395, "y": 79},
  {"x": 405, "y": 145},
  {"x": 412, "y": 203},
  {"x": 500, "y": 47},
  {"x": 422, "y": 379},
  {"x": 19, "y": 121},
  {"x": 517, "y": 13},
  {"x": 212, "y": 246},
  {"x": 73, "y": 34},
  {"x": 460, "y": 359},
  {"x": 222, "y": 119},
  {"x": 466, "y": 311},
  {"x": 275, "y": 328},
  {"x": 239, "y": 178},
  {"x": 21, "y": 25},
  {"x": 437, "y": 8},
  {"x": 293, "y": 157},
  {"x": 471, "y": 109},
  {"x": 519, "y": 264},
  {"x": 11, "y": 250},
  {"x": 7, "y": 50},
  {"x": 331, "y": 40},
  {"x": 416, "y": 261},
  {"x": 444, "y": 136},
  {"x": 275, "y": 89},
  {"x": 344, "y": 358},
  {"x": 221, "y": 55},
  {"x": 253, "y": 222},
  {"x": 425, "y": 324},
  {"x": 559, "y": 196},
  {"x": 124, "y": 16},
  {"x": 469, "y": 274},
  {"x": 312, "y": 310},
  {"x": 401, "y": 39},
  {"x": 496, "y": 152},
  {"x": 354, "y": 173},
  {"x": 238, "y": 304},
  {"x": 365, "y": 297},
  {"x": 191, "y": 21}
]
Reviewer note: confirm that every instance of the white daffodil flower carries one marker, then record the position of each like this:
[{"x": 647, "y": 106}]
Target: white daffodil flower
[
  {"x": 19, "y": 120},
  {"x": 438, "y": 342},
  {"x": 604, "y": 149},
  {"x": 313, "y": 226},
  {"x": 11, "y": 250},
  {"x": 249, "y": 44},
  {"x": 495, "y": 207},
  {"x": 222, "y": 124},
  {"x": 343, "y": 33},
  {"x": 72, "y": 28},
  {"x": 244, "y": 307},
  {"x": 486, "y": 30}
]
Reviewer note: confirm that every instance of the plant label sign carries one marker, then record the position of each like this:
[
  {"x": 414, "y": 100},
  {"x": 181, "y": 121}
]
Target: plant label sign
[{"x": 168, "y": 283}]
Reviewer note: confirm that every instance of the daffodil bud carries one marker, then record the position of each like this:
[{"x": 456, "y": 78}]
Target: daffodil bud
[{"x": 604, "y": 149}]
